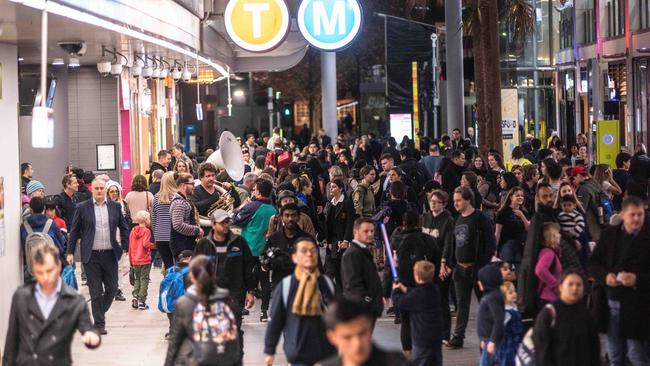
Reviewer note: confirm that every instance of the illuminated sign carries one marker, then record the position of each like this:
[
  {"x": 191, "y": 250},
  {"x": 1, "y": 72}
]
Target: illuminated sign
[
  {"x": 257, "y": 25},
  {"x": 329, "y": 24}
]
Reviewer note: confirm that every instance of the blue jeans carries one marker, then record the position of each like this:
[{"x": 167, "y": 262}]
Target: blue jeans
[
  {"x": 486, "y": 358},
  {"x": 426, "y": 356},
  {"x": 619, "y": 348}
]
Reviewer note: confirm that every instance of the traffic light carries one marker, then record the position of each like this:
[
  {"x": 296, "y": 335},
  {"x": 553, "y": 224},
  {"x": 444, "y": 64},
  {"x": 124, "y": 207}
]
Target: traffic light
[{"x": 287, "y": 110}]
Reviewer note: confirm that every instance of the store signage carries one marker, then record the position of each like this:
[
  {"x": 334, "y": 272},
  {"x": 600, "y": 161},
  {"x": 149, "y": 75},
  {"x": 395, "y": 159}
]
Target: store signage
[
  {"x": 401, "y": 125},
  {"x": 329, "y": 24},
  {"x": 257, "y": 25},
  {"x": 509, "y": 121}
]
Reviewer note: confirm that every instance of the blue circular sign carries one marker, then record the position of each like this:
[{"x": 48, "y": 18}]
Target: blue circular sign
[
  {"x": 608, "y": 139},
  {"x": 329, "y": 24}
]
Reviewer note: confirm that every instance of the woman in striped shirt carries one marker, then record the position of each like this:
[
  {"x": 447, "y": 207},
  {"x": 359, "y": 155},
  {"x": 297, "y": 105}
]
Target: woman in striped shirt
[{"x": 161, "y": 219}]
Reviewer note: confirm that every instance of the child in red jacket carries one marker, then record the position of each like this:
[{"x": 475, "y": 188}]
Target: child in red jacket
[{"x": 140, "y": 259}]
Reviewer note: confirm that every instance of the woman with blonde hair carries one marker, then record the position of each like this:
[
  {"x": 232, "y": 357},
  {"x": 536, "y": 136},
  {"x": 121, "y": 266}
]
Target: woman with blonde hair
[
  {"x": 161, "y": 220},
  {"x": 603, "y": 175}
]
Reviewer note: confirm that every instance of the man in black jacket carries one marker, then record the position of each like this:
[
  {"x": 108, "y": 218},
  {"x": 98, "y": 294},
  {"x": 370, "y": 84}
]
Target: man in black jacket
[
  {"x": 527, "y": 280},
  {"x": 473, "y": 247},
  {"x": 234, "y": 262},
  {"x": 45, "y": 315},
  {"x": 620, "y": 263},
  {"x": 276, "y": 257},
  {"x": 164, "y": 158},
  {"x": 358, "y": 272},
  {"x": 291, "y": 314},
  {"x": 349, "y": 328}
]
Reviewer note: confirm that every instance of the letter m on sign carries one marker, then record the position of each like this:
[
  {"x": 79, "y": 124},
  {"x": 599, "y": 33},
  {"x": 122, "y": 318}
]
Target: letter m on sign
[{"x": 328, "y": 24}]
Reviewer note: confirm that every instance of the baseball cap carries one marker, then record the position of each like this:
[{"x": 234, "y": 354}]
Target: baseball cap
[
  {"x": 185, "y": 254},
  {"x": 220, "y": 216},
  {"x": 578, "y": 170}
]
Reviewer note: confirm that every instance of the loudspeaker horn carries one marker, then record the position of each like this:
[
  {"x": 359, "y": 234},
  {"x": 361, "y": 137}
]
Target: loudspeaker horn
[{"x": 229, "y": 156}]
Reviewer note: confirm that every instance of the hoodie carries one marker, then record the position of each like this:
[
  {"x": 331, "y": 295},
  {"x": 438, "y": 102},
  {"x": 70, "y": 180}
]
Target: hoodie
[
  {"x": 491, "y": 311},
  {"x": 140, "y": 246}
]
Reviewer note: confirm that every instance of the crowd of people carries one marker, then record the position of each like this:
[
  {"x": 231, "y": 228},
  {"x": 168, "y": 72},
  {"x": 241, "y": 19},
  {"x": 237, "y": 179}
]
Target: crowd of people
[{"x": 331, "y": 235}]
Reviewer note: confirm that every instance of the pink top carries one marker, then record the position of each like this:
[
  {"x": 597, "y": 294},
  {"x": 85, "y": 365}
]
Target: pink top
[{"x": 549, "y": 272}]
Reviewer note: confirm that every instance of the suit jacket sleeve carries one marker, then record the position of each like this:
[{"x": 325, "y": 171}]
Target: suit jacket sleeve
[
  {"x": 598, "y": 260},
  {"x": 75, "y": 229},
  {"x": 12, "y": 339}
]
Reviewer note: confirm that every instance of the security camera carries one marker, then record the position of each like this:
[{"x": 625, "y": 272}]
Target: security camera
[
  {"x": 104, "y": 67},
  {"x": 187, "y": 75},
  {"x": 116, "y": 69},
  {"x": 78, "y": 48}
]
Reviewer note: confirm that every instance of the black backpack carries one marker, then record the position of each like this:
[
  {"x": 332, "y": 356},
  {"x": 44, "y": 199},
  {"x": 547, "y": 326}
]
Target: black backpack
[
  {"x": 415, "y": 179},
  {"x": 413, "y": 247}
]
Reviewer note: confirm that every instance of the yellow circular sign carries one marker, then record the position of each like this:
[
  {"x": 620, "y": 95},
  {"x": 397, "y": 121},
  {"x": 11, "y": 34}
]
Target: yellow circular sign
[{"x": 257, "y": 25}]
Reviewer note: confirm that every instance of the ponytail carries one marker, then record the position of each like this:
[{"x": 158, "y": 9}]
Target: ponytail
[{"x": 204, "y": 274}]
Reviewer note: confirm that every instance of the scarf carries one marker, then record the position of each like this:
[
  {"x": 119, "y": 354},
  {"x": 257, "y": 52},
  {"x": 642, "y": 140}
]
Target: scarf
[{"x": 307, "y": 301}]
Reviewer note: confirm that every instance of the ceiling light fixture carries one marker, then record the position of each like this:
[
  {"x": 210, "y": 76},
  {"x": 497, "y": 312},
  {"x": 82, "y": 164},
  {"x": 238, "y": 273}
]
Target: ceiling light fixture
[{"x": 58, "y": 62}]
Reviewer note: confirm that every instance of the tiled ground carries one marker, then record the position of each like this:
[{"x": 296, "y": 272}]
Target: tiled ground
[{"x": 136, "y": 337}]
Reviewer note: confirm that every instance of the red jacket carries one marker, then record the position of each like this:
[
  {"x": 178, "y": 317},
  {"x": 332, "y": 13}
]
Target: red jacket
[{"x": 139, "y": 246}]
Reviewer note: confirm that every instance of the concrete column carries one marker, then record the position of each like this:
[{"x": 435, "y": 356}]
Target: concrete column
[
  {"x": 454, "y": 59},
  {"x": 10, "y": 262},
  {"x": 328, "y": 90}
]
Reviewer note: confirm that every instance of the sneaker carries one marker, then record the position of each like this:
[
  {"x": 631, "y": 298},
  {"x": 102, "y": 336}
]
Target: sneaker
[
  {"x": 264, "y": 318},
  {"x": 167, "y": 336},
  {"x": 390, "y": 311},
  {"x": 245, "y": 312},
  {"x": 120, "y": 296},
  {"x": 134, "y": 303},
  {"x": 455, "y": 343},
  {"x": 143, "y": 306}
]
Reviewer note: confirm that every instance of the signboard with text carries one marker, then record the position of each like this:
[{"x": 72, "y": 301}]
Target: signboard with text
[
  {"x": 509, "y": 121},
  {"x": 329, "y": 24},
  {"x": 257, "y": 25}
]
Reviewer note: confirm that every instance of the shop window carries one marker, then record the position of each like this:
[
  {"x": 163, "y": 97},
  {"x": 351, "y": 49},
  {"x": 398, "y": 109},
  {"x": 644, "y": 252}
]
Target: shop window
[
  {"x": 615, "y": 10},
  {"x": 566, "y": 29},
  {"x": 589, "y": 25},
  {"x": 644, "y": 14}
]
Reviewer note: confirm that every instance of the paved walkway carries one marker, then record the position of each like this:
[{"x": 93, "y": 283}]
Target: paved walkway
[{"x": 135, "y": 337}]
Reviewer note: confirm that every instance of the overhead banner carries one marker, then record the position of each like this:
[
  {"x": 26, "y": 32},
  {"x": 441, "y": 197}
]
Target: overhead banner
[
  {"x": 608, "y": 142},
  {"x": 509, "y": 121}
]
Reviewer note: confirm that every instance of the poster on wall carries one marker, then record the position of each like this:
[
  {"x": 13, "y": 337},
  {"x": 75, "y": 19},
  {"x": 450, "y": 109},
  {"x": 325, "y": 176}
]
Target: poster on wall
[
  {"x": 509, "y": 121},
  {"x": 3, "y": 238},
  {"x": 106, "y": 157},
  {"x": 401, "y": 125}
]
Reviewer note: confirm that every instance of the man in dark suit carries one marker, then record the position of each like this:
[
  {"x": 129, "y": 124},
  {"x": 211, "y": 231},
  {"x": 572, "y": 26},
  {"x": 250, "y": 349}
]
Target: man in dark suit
[
  {"x": 45, "y": 315},
  {"x": 96, "y": 222},
  {"x": 358, "y": 272}
]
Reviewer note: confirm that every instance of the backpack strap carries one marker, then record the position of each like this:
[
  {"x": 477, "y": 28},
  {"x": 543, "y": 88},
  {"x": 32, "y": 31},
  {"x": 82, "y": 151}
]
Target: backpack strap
[
  {"x": 286, "y": 286},
  {"x": 329, "y": 283},
  {"x": 28, "y": 227},
  {"x": 551, "y": 310},
  {"x": 48, "y": 225}
]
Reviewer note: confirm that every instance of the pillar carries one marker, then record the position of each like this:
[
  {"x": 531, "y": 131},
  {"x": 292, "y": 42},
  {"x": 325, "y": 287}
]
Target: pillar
[
  {"x": 454, "y": 59},
  {"x": 328, "y": 90},
  {"x": 10, "y": 262}
]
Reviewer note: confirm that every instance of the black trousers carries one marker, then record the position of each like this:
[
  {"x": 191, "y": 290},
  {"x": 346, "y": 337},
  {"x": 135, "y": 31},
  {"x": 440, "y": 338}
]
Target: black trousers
[
  {"x": 165, "y": 253},
  {"x": 264, "y": 279},
  {"x": 444, "y": 287},
  {"x": 101, "y": 272},
  {"x": 464, "y": 281}
]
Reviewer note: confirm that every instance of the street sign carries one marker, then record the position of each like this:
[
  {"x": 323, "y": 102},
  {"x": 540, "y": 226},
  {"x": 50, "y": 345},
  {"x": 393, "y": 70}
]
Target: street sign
[
  {"x": 257, "y": 25},
  {"x": 329, "y": 24}
]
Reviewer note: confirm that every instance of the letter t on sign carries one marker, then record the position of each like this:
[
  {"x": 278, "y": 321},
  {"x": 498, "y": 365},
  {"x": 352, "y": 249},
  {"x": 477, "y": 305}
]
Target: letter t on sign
[{"x": 257, "y": 10}]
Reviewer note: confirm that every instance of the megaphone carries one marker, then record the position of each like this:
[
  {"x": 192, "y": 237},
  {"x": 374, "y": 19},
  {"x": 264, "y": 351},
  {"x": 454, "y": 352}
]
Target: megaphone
[{"x": 229, "y": 156}]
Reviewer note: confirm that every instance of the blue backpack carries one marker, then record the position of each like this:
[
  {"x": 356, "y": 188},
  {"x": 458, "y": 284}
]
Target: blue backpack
[
  {"x": 172, "y": 288},
  {"x": 69, "y": 278}
]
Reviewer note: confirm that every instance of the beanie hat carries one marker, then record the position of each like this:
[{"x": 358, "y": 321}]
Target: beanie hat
[{"x": 33, "y": 186}]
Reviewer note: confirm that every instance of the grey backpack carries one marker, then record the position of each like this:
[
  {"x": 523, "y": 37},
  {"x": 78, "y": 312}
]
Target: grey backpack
[{"x": 35, "y": 237}]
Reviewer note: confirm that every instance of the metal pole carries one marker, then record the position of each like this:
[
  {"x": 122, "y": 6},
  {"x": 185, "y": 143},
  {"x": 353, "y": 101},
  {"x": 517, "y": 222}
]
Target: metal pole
[
  {"x": 454, "y": 58},
  {"x": 251, "y": 107},
  {"x": 269, "y": 106},
  {"x": 434, "y": 66},
  {"x": 44, "y": 55},
  {"x": 535, "y": 72},
  {"x": 328, "y": 91}
]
